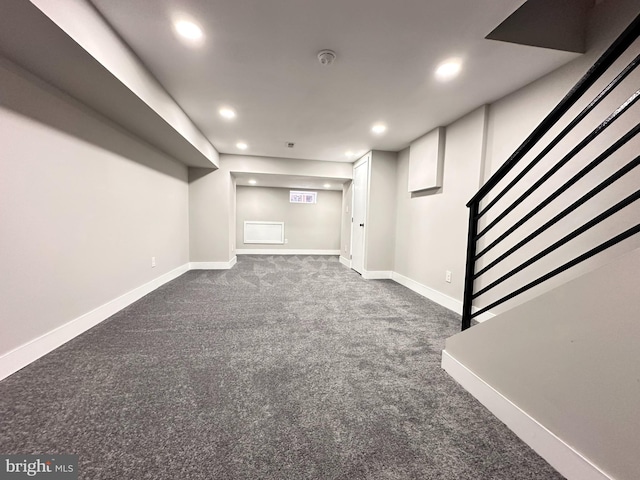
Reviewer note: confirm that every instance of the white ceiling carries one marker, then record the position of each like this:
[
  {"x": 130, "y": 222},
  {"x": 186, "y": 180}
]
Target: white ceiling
[{"x": 259, "y": 57}]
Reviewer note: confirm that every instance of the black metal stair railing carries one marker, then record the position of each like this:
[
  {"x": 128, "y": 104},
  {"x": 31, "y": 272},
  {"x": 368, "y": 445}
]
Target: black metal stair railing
[{"x": 489, "y": 196}]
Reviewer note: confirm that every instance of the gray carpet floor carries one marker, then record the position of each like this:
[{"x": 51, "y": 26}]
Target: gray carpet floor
[{"x": 280, "y": 368}]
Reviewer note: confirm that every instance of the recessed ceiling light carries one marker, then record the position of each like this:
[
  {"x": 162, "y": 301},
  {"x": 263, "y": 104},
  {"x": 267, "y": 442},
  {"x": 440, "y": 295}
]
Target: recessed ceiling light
[
  {"x": 242, "y": 145},
  {"x": 252, "y": 182},
  {"x": 189, "y": 31},
  {"x": 350, "y": 154},
  {"x": 379, "y": 128},
  {"x": 327, "y": 185},
  {"x": 449, "y": 69},
  {"x": 227, "y": 113}
]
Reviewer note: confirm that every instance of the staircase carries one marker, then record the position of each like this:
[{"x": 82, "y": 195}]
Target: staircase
[
  {"x": 553, "y": 251},
  {"x": 567, "y": 194}
]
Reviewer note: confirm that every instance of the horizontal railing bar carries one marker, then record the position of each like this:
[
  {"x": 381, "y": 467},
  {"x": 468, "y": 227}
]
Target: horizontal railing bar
[
  {"x": 593, "y": 164},
  {"x": 593, "y": 104},
  {"x": 590, "y": 224},
  {"x": 585, "y": 141},
  {"x": 585, "y": 256},
  {"x": 582, "y": 200},
  {"x": 612, "y": 53}
]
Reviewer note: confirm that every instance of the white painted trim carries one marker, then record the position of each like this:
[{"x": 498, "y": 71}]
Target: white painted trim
[
  {"x": 428, "y": 292},
  {"x": 279, "y": 251},
  {"x": 377, "y": 274},
  {"x": 213, "y": 265},
  {"x": 29, "y": 352},
  {"x": 554, "y": 450},
  {"x": 438, "y": 297},
  {"x": 365, "y": 159}
]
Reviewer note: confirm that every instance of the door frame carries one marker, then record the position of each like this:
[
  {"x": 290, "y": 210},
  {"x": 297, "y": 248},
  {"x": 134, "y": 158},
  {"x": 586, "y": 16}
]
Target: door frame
[{"x": 366, "y": 158}]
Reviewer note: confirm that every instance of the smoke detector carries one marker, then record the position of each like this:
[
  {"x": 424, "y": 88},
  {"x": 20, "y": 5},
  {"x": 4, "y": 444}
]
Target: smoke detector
[{"x": 326, "y": 57}]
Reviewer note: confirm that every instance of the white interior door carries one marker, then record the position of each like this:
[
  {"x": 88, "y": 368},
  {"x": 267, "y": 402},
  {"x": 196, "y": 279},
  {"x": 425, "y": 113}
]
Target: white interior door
[{"x": 358, "y": 227}]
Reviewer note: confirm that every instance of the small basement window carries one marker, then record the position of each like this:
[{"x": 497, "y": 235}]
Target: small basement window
[{"x": 303, "y": 197}]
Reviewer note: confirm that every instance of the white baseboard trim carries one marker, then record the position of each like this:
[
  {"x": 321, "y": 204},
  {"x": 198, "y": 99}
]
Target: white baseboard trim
[
  {"x": 428, "y": 292},
  {"x": 377, "y": 274},
  {"x": 554, "y": 450},
  {"x": 278, "y": 251},
  {"x": 438, "y": 297},
  {"x": 345, "y": 262},
  {"x": 29, "y": 352},
  {"x": 213, "y": 265}
]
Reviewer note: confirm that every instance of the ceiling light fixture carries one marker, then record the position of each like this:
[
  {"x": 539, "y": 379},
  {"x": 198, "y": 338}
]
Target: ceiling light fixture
[
  {"x": 189, "y": 31},
  {"x": 327, "y": 185},
  {"x": 242, "y": 145},
  {"x": 227, "y": 113},
  {"x": 379, "y": 128},
  {"x": 252, "y": 182},
  {"x": 449, "y": 69},
  {"x": 349, "y": 154}
]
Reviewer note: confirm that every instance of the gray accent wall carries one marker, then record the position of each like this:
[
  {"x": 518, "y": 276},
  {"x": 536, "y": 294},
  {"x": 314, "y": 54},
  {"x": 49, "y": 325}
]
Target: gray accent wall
[
  {"x": 83, "y": 208},
  {"x": 307, "y": 226}
]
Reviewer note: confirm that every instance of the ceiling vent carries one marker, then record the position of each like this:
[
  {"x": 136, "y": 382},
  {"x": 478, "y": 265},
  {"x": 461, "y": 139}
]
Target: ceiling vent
[
  {"x": 290, "y": 144},
  {"x": 326, "y": 57}
]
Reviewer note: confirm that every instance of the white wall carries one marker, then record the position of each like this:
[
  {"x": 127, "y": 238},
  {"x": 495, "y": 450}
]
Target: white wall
[
  {"x": 212, "y": 199},
  {"x": 431, "y": 228},
  {"x": 81, "y": 22},
  {"x": 569, "y": 359},
  {"x": 307, "y": 226},
  {"x": 381, "y": 212},
  {"x": 83, "y": 208},
  {"x": 287, "y": 166},
  {"x": 211, "y": 208}
]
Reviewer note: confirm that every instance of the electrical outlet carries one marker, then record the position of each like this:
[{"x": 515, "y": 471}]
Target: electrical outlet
[
  {"x": 447, "y": 276},
  {"x": 153, "y": 262},
  {"x": 286, "y": 240}
]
